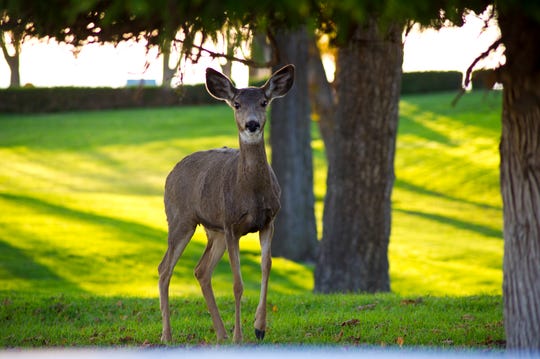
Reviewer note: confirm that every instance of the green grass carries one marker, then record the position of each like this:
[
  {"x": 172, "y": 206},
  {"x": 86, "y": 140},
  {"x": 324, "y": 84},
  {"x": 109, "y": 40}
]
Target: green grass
[
  {"x": 82, "y": 230},
  {"x": 447, "y": 207},
  {"x": 294, "y": 319}
]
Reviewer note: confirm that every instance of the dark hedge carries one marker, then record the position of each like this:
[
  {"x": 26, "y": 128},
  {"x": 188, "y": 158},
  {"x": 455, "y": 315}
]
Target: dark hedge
[
  {"x": 430, "y": 81},
  {"x": 59, "y": 99}
]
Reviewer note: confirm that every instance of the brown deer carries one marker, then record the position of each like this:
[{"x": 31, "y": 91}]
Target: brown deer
[{"x": 231, "y": 193}]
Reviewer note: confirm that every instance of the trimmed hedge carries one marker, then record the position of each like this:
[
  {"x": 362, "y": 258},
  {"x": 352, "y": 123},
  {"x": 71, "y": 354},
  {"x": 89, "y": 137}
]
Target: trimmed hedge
[
  {"x": 430, "y": 81},
  {"x": 483, "y": 79},
  {"x": 58, "y": 99}
]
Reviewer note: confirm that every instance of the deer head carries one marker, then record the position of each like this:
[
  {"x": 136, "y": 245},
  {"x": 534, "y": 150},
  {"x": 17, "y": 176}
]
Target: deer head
[{"x": 249, "y": 104}]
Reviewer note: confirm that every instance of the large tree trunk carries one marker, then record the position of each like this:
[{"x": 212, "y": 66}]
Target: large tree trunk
[
  {"x": 520, "y": 180},
  {"x": 356, "y": 229},
  {"x": 295, "y": 235}
]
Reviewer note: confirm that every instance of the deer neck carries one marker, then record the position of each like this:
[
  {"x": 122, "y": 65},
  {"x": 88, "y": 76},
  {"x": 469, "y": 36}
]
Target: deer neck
[{"x": 253, "y": 164}]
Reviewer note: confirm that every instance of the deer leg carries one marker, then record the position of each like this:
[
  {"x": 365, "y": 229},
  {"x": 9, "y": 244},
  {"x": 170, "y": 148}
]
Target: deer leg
[
  {"x": 203, "y": 271},
  {"x": 178, "y": 239},
  {"x": 265, "y": 236},
  {"x": 238, "y": 287}
]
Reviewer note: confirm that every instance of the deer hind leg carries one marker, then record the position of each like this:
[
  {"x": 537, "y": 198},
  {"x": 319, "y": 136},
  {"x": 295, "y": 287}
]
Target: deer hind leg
[
  {"x": 266, "y": 264},
  {"x": 179, "y": 237},
  {"x": 238, "y": 287},
  {"x": 203, "y": 271}
]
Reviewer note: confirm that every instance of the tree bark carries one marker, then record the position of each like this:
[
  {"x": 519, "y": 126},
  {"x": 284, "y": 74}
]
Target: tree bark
[
  {"x": 295, "y": 235},
  {"x": 356, "y": 225},
  {"x": 520, "y": 179}
]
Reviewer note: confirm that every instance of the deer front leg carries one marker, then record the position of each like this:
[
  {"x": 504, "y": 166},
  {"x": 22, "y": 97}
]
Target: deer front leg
[
  {"x": 234, "y": 258},
  {"x": 265, "y": 236}
]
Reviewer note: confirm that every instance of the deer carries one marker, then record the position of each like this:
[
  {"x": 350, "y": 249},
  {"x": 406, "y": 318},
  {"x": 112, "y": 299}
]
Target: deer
[{"x": 230, "y": 192}]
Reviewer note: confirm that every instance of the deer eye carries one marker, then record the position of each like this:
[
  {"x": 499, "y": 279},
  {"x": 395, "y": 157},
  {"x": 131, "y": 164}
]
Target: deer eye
[
  {"x": 264, "y": 103},
  {"x": 236, "y": 105}
]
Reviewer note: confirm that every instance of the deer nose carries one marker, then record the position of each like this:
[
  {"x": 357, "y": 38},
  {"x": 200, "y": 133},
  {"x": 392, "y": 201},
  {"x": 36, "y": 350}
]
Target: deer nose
[{"x": 252, "y": 126}]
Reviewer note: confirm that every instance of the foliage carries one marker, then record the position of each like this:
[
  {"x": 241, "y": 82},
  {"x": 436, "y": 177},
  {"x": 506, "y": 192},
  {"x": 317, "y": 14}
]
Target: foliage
[{"x": 160, "y": 22}]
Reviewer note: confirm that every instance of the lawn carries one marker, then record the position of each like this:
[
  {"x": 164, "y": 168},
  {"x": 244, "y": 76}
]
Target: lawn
[{"x": 82, "y": 231}]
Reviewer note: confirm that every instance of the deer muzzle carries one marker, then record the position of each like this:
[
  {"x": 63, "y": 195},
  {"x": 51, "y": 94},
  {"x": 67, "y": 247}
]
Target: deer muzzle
[{"x": 252, "y": 126}]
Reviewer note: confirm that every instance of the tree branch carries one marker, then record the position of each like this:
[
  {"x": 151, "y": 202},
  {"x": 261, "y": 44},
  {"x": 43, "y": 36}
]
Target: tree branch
[
  {"x": 483, "y": 55},
  {"x": 468, "y": 73},
  {"x": 215, "y": 55}
]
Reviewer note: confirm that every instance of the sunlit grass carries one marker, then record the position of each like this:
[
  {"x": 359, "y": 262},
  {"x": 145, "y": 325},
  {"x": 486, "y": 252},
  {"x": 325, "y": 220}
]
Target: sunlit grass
[
  {"x": 447, "y": 212},
  {"x": 82, "y": 209},
  {"x": 81, "y": 197}
]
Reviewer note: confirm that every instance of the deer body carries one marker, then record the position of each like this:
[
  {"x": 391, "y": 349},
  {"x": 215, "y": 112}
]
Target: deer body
[
  {"x": 245, "y": 197},
  {"x": 231, "y": 193}
]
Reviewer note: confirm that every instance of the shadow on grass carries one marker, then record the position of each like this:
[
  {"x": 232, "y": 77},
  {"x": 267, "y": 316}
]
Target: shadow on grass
[
  {"x": 20, "y": 266},
  {"x": 118, "y": 127},
  {"x": 483, "y": 230},
  {"x": 410, "y": 125},
  {"x": 408, "y": 186},
  {"x": 144, "y": 248},
  {"x": 133, "y": 228},
  {"x": 478, "y": 109}
]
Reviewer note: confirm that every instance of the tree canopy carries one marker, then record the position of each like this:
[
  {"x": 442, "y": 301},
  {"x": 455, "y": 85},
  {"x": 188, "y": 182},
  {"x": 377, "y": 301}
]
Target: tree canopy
[{"x": 157, "y": 21}]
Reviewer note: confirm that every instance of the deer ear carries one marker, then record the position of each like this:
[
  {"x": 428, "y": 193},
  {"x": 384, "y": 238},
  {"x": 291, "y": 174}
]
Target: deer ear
[
  {"x": 280, "y": 83},
  {"x": 219, "y": 85}
]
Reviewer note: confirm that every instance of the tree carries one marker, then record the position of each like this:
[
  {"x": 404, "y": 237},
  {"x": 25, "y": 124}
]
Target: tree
[
  {"x": 295, "y": 235},
  {"x": 18, "y": 22},
  {"x": 520, "y": 173},
  {"x": 520, "y": 149},
  {"x": 356, "y": 224},
  {"x": 10, "y": 43}
]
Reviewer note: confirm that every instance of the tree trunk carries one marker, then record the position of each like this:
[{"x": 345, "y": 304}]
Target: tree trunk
[
  {"x": 12, "y": 60},
  {"x": 356, "y": 225},
  {"x": 295, "y": 235},
  {"x": 14, "y": 67},
  {"x": 520, "y": 180},
  {"x": 168, "y": 73}
]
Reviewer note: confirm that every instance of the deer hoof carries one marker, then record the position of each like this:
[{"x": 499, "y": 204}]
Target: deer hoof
[
  {"x": 259, "y": 334},
  {"x": 166, "y": 338}
]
